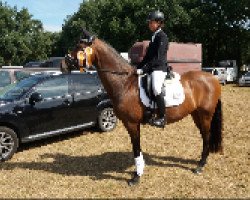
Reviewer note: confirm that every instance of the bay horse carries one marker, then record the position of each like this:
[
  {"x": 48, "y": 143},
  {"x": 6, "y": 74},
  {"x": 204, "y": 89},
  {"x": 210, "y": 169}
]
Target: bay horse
[{"x": 202, "y": 100}]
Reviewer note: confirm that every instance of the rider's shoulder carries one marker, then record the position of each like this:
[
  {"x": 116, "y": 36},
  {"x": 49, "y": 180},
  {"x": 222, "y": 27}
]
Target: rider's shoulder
[{"x": 161, "y": 34}]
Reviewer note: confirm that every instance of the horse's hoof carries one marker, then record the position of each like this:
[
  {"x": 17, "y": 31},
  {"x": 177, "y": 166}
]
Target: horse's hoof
[
  {"x": 135, "y": 180},
  {"x": 198, "y": 170}
]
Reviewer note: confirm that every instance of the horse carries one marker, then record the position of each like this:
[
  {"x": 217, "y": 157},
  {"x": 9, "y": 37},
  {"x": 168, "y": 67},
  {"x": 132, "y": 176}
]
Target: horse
[{"x": 202, "y": 100}]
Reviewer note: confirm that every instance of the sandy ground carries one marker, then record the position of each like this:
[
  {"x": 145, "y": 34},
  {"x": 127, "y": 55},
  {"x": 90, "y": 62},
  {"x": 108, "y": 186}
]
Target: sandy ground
[{"x": 92, "y": 165}]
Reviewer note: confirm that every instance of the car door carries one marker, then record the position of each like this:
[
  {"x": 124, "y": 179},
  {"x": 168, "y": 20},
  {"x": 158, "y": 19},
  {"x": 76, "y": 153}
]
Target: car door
[
  {"x": 51, "y": 113},
  {"x": 85, "y": 90}
]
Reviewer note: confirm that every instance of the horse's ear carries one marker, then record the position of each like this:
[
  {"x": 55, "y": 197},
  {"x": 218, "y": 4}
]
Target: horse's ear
[
  {"x": 85, "y": 33},
  {"x": 87, "y": 37}
]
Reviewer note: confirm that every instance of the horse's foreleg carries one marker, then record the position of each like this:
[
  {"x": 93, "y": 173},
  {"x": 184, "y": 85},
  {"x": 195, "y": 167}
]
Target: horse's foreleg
[{"x": 134, "y": 132}]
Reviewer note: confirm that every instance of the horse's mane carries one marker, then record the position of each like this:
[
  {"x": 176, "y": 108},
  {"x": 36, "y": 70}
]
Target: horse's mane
[
  {"x": 123, "y": 65},
  {"x": 114, "y": 52}
]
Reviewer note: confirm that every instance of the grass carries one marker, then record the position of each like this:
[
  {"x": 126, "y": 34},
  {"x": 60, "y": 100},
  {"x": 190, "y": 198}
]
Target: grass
[{"x": 92, "y": 165}]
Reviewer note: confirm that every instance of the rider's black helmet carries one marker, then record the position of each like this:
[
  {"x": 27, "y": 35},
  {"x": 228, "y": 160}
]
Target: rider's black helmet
[{"x": 156, "y": 16}]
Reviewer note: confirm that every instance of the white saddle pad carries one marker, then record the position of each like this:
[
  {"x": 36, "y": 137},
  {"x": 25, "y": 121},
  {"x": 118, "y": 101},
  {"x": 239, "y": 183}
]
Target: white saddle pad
[{"x": 174, "y": 93}]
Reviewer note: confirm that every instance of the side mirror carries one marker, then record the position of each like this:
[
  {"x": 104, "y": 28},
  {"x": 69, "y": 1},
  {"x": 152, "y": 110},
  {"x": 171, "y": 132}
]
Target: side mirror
[{"x": 35, "y": 97}]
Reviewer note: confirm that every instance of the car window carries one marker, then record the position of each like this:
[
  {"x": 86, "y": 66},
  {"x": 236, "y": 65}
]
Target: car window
[
  {"x": 33, "y": 64},
  {"x": 208, "y": 70},
  {"x": 247, "y": 74},
  {"x": 83, "y": 83},
  {"x": 53, "y": 87},
  {"x": 16, "y": 91},
  {"x": 19, "y": 75},
  {"x": 215, "y": 72},
  {"x": 4, "y": 78}
]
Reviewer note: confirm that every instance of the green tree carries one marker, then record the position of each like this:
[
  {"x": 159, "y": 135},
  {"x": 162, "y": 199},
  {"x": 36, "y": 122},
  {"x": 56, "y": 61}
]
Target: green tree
[
  {"x": 120, "y": 22},
  {"x": 220, "y": 25},
  {"x": 7, "y": 24},
  {"x": 22, "y": 38}
]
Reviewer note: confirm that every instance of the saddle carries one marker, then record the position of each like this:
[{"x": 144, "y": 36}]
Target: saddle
[
  {"x": 146, "y": 84},
  {"x": 172, "y": 90}
]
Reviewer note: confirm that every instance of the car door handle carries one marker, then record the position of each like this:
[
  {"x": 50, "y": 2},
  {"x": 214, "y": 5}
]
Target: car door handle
[{"x": 18, "y": 111}]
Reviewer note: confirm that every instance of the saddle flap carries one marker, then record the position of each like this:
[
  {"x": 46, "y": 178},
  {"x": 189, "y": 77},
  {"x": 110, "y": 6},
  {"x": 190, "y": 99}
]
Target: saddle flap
[
  {"x": 172, "y": 89},
  {"x": 146, "y": 81}
]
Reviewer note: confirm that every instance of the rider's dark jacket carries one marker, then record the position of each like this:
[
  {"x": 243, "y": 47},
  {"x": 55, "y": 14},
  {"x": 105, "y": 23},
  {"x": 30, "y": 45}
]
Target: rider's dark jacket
[{"x": 155, "y": 58}]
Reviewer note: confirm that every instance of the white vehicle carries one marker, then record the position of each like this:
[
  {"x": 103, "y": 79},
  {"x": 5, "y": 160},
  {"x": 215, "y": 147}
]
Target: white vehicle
[
  {"x": 218, "y": 72},
  {"x": 231, "y": 68},
  {"x": 244, "y": 80},
  {"x": 125, "y": 56},
  {"x": 231, "y": 74}
]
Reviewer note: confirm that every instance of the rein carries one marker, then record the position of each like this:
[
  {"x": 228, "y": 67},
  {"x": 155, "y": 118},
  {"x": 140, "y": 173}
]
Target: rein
[
  {"x": 105, "y": 70},
  {"x": 114, "y": 72}
]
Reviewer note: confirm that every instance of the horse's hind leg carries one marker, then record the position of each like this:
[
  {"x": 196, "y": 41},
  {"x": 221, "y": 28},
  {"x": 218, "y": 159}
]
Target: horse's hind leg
[{"x": 203, "y": 122}]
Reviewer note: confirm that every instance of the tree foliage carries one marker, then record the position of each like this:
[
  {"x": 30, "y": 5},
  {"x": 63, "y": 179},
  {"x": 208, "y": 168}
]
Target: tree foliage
[
  {"x": 22, "y": 38},
  {"x": 220, "y": 25}
]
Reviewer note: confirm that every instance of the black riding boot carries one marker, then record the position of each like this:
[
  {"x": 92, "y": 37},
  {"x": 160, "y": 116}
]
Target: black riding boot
[
  {"x": 161, "y": 120},
  {"x": 147, "y": 115}
]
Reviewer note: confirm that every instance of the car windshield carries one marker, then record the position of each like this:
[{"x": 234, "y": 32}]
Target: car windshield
[{"x": 15, "y": 91}]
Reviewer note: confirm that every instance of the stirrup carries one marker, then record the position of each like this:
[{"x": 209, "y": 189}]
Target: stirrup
[{"x": 158, "y": 122}]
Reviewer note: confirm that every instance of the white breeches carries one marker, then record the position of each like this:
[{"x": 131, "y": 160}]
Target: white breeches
[{"x": 158, "y": 78}]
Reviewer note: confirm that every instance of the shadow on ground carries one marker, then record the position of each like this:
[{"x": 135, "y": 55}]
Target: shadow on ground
[{"x": 97, "y": 167}]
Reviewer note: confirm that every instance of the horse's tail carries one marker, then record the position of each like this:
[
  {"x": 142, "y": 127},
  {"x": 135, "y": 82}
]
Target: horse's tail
[{"x": 215, "y": 141}]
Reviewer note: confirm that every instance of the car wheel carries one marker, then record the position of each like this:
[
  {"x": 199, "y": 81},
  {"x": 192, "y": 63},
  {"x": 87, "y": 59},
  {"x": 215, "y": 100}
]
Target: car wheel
[
  {"x": 8, "y": 143},
  {"x": 107, "y": 120}
]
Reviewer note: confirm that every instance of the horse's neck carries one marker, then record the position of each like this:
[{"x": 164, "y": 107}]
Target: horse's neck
[{"x": 115, "y": 85}]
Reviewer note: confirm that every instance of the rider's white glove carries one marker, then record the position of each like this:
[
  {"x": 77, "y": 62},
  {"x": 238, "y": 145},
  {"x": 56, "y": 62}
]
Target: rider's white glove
[{"x": 139, "y": 71}]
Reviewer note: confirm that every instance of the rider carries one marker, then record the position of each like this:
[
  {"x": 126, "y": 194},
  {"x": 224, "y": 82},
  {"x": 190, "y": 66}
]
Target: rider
[{"x": 155, "y": 63}]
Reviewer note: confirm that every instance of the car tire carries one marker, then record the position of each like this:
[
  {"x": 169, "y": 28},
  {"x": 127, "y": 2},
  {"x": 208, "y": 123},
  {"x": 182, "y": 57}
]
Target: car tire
[
  {"x": 8, "y": 143},
  {"x": 107, "y": 120}
]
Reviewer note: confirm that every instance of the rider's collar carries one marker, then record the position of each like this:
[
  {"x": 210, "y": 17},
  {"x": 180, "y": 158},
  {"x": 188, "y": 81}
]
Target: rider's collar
[{"x": 157, "y": 31}]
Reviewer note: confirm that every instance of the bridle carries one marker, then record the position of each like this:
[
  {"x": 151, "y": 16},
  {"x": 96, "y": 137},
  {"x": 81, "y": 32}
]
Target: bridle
[
  {"x": 82, "y": 55},
  {"x": 114, "y": 72}
]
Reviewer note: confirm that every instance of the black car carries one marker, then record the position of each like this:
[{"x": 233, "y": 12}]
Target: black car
[
  {"x": 45, "y": 105},
  {"x": 33, "y": 64}
]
